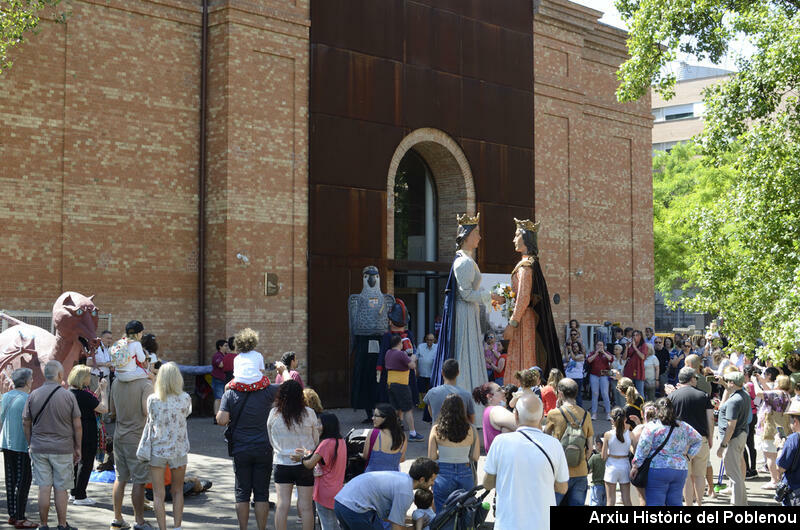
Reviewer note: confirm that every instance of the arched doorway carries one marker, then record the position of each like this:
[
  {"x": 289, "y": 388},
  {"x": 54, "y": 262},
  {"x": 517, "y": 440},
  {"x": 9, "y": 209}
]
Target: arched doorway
[{"x": 429, "y": 184}]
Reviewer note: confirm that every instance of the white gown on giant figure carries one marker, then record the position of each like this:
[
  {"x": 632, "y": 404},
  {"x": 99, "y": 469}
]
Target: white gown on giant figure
[{"x": 468, "y": 338}]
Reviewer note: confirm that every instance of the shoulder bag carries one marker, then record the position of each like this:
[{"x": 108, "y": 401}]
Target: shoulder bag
[
  {"x": 534, "y": 442},
  {"x": 640, "y": 480},
  {"x": 46, "y": 401},
  {"x": 144, "y": 451},
  {"x": 228, "y": 434}
]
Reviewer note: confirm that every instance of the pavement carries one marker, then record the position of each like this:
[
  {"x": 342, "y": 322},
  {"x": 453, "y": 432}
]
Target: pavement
[{"x": 208, "y": 459}]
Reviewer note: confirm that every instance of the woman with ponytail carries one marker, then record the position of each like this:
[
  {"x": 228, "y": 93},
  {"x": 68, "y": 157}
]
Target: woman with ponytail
[
  {"x": 633, "y": 402},
  {"x": 616, "y": 448}
]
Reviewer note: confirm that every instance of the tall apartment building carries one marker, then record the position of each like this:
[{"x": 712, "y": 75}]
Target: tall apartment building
[{"x": 681, "y": 118}]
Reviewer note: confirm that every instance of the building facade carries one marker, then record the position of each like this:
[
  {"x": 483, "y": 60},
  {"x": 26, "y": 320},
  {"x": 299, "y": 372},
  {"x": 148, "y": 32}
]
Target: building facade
[
  {"x": 338, "y": 134},
  {"x": 681, "y": 118}
]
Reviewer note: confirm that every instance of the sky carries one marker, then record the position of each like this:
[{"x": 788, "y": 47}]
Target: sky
[{"x": 612, "y": 17}]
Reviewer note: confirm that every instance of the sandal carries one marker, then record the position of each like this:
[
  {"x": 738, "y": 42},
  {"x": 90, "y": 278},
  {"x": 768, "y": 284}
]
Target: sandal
[{"x": 25, "y": 524}]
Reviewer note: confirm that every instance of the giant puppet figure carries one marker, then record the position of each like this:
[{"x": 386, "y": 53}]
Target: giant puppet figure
[
  {"x": 531, "y": 331},
  {"x": 461, "y": 337},
  {"x": 26, "y": 346},
  {"x": 368, "y": 312}
]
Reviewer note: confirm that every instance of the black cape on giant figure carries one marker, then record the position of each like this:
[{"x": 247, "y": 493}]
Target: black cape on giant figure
[{"x": 546, "y": 335}]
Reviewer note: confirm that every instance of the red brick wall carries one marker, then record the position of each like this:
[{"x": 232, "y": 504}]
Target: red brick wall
[
  {"x": 593, "y": 179},
  {"x": 100, "y": 168}
]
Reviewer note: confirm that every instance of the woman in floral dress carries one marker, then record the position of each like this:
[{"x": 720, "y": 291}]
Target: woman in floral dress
[{"x": 167, "y": 410}]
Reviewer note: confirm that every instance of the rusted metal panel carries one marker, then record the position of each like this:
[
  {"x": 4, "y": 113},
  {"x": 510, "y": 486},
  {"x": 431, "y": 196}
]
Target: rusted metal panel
[
  {"x": 355, "y": 85},
  {"x": 329, "y": 361},
  {"x": 436, "y": 97},
  {"x": 512, "y": 14},
  {"x": 347, "y": 221},
  {"x": 496, "y": 252},
  {"x": 373, "y": 27},
  {"x": 352, "y": 153},
  {"x": 502, "y": 174},
  {"x": 434, "y": 38}
]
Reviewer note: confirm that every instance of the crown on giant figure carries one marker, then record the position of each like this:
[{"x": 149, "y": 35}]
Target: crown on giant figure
[
  {"x": 527, "y": 224},
  {"x": 466, "y": 220}
]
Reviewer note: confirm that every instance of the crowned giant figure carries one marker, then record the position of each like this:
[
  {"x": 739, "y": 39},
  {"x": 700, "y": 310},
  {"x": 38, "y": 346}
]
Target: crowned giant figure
[
  {"x": 461, "y": 337},
  {"x": 368, "y": 312}
]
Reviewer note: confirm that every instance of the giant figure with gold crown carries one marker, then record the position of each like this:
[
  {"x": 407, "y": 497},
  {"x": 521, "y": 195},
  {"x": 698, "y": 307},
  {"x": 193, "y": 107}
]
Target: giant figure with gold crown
[
  {"x": 531, "y": 331},
  {"x": 461, "y": 337}
]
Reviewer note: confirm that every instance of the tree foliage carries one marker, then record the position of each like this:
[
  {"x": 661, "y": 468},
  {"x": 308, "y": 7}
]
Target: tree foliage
[
  {"x": 684, "y": 186},
  {"x": 745, "y": 262},
  {"x": 17, "y": 18}
]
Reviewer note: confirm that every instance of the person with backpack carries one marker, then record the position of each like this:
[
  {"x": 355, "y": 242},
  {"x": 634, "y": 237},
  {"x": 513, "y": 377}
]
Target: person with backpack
[
  {"x": 127, "y": 355},
  {"x": 572, "y": 425}
]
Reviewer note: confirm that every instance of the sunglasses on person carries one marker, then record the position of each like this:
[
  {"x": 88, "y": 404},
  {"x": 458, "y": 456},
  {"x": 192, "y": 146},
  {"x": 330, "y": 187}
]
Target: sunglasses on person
[{"x": 656, "y": 342}]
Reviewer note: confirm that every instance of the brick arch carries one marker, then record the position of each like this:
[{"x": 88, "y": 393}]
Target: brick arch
[{"x": 452, "y": 176}]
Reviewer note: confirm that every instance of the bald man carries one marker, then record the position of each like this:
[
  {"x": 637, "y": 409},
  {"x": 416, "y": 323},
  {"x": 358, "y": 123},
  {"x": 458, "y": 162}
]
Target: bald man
[
  {"x": 695, "y": 362},
  {"x": 521, "y": 464}
]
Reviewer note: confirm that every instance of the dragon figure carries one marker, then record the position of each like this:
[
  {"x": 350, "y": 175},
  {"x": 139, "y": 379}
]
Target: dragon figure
[{"x": 26, "y": 346}]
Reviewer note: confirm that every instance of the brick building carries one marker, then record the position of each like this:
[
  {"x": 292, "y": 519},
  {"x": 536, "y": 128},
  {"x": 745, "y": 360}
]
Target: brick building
[{"x": 331, "y": 127}]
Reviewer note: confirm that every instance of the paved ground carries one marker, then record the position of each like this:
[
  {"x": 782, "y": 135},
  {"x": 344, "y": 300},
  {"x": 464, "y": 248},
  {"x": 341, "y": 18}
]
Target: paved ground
[{"x": 215, "y": 508}]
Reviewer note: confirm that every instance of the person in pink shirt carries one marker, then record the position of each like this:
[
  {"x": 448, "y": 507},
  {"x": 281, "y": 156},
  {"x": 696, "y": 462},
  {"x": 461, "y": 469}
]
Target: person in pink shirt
[
  {"x": 329, "y": 461},
  {"x": 286, "y": 369},
  {"x": 496, "y": 417}
]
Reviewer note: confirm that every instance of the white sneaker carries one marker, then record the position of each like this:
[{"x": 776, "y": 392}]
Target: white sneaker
[
  {"x": 71, "y": 498},
  {"x": 84, "y": 502},
  {"x": 594, "y": 416}
]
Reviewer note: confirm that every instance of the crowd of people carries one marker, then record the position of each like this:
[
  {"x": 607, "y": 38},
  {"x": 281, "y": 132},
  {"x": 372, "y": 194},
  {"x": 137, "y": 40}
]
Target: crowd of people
[{"x": 669, "y": 407}]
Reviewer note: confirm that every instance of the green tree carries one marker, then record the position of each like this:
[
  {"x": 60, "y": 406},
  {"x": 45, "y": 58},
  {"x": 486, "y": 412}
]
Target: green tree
[
  {"x": 684, "y": 186},
  {"x": 749, "y": 268},
  {"x": 17, "y": 18}
]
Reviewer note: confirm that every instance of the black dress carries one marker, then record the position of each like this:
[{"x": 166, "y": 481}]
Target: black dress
[{"x": 87, "y": 402}]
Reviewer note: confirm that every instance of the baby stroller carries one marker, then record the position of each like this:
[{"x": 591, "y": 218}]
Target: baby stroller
[
  {"x": 355, "y": 441},
  {"x": 465, "y": 510}
]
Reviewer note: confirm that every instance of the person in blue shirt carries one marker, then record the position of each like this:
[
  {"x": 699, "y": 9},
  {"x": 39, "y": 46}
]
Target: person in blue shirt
[
  {"x": 788, "y": 459},
  {"x": 15, "y": 448}
]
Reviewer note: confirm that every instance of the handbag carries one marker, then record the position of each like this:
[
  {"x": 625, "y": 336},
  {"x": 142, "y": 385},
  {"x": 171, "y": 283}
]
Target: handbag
[
  {"x": 228, "y": 434},
  {"x": 145, "y": 450},
  {"x": 640, "y": 480}
]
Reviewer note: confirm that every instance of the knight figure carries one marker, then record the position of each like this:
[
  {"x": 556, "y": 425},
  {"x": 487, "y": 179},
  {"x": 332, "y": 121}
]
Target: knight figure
[{"x": 368, "y": 313}]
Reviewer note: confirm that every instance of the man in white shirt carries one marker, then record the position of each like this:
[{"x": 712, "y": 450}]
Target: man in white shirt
[
  {"x": 101, "y": 362},
  {"x": 527, "y": 468},
  {"x": 426, "y": 354}
]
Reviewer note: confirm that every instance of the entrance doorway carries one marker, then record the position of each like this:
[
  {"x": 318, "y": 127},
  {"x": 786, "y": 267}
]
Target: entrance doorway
[{"x": 416, "y": 240}]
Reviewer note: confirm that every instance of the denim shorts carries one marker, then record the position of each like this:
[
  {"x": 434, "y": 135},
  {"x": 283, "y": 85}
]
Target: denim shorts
[{"x": 218, "y": 386}]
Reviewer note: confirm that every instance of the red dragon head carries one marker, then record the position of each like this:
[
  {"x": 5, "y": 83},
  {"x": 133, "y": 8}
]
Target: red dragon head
[{"x": 75, "y": 317}]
